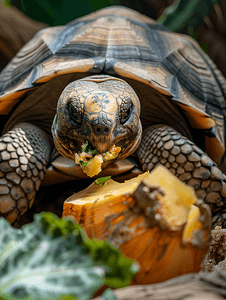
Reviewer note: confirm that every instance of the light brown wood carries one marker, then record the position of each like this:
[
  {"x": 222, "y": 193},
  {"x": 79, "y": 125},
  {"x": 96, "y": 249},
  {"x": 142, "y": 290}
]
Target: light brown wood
[{"x": 200, "y": 286}]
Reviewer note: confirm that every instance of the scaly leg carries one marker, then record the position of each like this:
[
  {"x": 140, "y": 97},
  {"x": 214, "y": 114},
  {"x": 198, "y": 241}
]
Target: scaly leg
[
  {"x": 24, "y": 154},
  {"x": 162, "y": 144}
]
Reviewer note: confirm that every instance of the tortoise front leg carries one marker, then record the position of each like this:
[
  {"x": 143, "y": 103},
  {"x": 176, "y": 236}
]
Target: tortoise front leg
[
  {"x": 162, "y": 144},
  {"x": 25, "y": 152}
]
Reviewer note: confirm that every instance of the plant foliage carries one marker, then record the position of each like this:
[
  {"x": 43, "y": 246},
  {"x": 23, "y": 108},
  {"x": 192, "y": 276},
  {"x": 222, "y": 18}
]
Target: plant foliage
[
  {"x": 102, "y": 180},
  {"x": 185, "y": 16},
  {"x": 51, "y": 258}
]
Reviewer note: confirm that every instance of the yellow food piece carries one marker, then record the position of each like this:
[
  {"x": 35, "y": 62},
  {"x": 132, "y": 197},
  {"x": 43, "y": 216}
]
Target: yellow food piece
[
  {"x": 93, "y": 166},
  {"x": 82, "y": 157},
  {"x": 176, "y": 204},
  {"x": 104, "y": 193},
  {"x": 192, "y": 223},
  {"x": 112, "y": 153}
]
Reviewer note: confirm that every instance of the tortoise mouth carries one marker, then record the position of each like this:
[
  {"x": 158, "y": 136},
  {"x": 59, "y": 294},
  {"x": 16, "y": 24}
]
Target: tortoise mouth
[{"x": 70, "y": 147}]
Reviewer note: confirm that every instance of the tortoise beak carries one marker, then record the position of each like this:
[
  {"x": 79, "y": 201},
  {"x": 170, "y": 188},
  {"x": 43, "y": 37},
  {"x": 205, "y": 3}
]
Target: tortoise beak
[
  {"x": 101, "y": 136},
  {"x": 128, "y": 144},
  {"x": 102, "y": 144}
]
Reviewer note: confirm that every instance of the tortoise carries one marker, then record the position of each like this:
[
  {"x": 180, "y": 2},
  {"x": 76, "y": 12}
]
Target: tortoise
[{"x": 111, "y": 78}]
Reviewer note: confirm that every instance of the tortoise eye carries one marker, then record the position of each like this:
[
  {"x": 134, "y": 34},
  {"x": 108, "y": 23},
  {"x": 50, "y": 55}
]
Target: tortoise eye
[
  {"x": 125, "y": 116},
  {"x": 74, "y": 115}
]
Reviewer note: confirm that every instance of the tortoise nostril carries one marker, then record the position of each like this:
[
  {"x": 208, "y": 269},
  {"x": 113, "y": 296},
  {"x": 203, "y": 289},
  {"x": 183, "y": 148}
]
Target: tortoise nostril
[{"x": 102, "y": 129}]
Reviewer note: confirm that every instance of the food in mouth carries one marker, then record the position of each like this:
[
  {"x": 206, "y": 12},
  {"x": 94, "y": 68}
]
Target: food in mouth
[{"x": 91, "y": 161}]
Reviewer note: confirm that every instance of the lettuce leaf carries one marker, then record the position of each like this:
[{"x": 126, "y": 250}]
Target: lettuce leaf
[
  {"x": 102, "y": 180},
  {"x": 52, "y": 257}
]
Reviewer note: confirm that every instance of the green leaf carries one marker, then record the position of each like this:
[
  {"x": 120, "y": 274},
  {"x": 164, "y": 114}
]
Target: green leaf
[
  {"x": 119, "y": 269},
  {"x": 83, "y": 163},
  {"x": 102, "y": 180},
  {"x": 186, "y": 16},
  {"x": 87, "y": 148},
  {"x": 52, "y": 258},
  {"x": 5, "y": 296},
  {"x": 93, "y": 152},
  {"x": 6, "y": 3}
]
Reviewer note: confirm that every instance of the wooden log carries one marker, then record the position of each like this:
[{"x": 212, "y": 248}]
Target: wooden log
[{"x": 201, "y": 286}]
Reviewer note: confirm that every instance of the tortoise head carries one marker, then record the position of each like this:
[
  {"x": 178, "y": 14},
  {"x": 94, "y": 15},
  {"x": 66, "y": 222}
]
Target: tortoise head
[{"x": 102, "y": 110}]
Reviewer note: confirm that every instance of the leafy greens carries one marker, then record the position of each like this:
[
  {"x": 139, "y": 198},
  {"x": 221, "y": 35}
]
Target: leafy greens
[
  {"x": 52, "y": 257},
  {"x": 102, "y": 180}
]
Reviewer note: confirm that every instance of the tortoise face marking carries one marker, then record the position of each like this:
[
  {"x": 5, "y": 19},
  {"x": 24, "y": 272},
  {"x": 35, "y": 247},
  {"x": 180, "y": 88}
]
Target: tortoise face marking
[
  {"x": 101, "y": 101},
  {"x": 102, "y": 110}
]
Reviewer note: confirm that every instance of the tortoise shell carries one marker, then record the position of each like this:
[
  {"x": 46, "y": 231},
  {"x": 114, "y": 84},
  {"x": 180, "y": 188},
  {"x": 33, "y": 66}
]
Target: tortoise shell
[{"x": 121, "y": 42}]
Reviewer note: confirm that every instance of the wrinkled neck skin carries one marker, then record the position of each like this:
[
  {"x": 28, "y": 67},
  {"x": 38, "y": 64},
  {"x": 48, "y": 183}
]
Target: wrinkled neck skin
[{"x": 100, "y": 109}]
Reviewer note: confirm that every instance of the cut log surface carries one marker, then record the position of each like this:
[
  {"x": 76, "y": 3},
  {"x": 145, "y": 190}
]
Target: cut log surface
[{"x": 202, "y": 286}]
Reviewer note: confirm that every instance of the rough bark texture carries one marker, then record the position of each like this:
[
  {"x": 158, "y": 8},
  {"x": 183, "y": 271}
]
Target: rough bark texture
[
  {"x": 185, "y": 287},
  {"x": 216, "y": 256}
]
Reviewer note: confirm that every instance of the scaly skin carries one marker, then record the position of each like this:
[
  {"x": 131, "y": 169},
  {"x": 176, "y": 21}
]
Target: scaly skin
[
  {"x": 162, "y": 144},
  {"x": 25, "y": 152}
]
